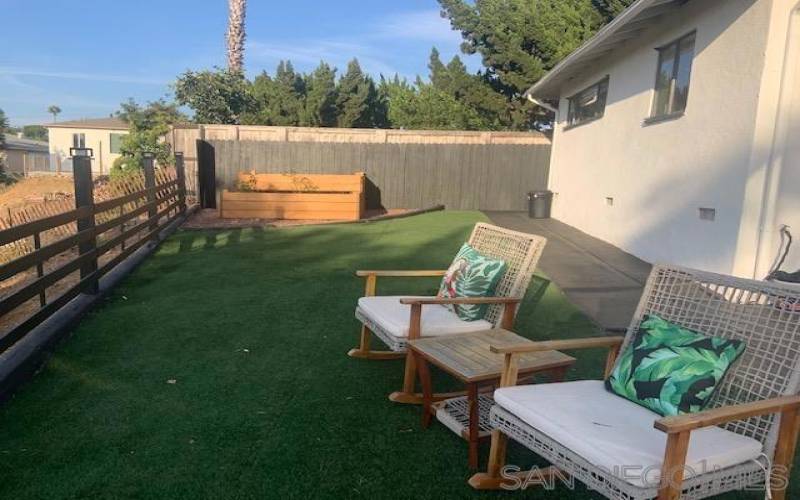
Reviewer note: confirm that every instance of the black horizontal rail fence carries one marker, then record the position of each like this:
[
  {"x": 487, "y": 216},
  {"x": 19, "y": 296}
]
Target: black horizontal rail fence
[
  {"x": 141, "y": 214},
  {"x": 459, "y": 176}
]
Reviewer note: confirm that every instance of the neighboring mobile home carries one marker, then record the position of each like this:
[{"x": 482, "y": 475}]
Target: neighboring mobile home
[
  {"x": 25, "y": 155},
  {"x": 678, "y": 132},
  {"x": 103, "y": 135}
]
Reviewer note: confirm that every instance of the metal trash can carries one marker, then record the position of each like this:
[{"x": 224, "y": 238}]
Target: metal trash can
[{"x": 539, "y": 203}]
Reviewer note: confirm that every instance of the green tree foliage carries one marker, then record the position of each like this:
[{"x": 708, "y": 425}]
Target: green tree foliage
[
  {"x": 219, "y": 96},
  {"x": 54, "y": 110},
  {"x": 4, "y": 178},
  {"x": 475, "y": 92},
  {"x": 357, "y": 101},
  {"x": 279, "y": 100},
  {"x": 520, "y": 40},
  {"x": 319, "y": 109},
  {"x": 3, "y": 128},
  {"x": 423, "y": 106},
  {"x": 148, "y": 124},
  {"x": 34, "y": 132}
]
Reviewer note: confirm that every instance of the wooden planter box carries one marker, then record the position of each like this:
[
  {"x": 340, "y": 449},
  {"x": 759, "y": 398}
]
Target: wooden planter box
[{"x": 290, "y": 196}]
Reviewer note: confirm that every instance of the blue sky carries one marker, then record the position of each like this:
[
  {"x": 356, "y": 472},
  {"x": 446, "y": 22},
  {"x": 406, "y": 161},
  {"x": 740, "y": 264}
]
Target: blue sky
[{"x": 89, "y": 56}]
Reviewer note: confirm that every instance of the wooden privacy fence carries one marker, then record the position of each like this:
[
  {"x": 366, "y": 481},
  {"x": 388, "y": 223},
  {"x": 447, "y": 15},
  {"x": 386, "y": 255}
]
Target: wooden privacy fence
[
  {"x": 399, "y": 175},
  {"x": 103, "y": 228}
]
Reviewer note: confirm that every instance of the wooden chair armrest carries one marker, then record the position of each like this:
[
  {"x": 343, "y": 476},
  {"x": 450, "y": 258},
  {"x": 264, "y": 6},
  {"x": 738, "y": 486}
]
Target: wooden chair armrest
[
  {"x": 462, "y": 300},
  {"x": 559, "y": 345},
  {"x": 716, "y": 416},
  {"x": 613, "y": 344},
  {"x": 415, "y": 323},
  {"x": 679, "y": 429},
  {"x": 401, "y": 274},
  {"x": 372, "y": 277}
]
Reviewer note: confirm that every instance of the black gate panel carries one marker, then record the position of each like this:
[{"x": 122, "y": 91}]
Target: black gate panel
[{"x": 206, "y": 175}]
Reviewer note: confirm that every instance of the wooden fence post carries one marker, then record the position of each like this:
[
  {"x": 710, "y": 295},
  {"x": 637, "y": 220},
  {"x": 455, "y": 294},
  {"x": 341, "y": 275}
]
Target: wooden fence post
[
  {"x": 180, "y": 172},
  {"x": 150, "y": 185},
  {"x": 84, "y": 197}
]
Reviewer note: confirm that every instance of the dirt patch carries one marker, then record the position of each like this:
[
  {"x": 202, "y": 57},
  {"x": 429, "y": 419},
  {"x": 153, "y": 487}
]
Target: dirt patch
[
  {"x": 209, "y": 218},
  {"x": 35, "y": 190}
]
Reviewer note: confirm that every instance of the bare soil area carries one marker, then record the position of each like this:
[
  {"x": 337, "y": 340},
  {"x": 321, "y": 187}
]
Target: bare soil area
[{"x": 35, "y": 190}]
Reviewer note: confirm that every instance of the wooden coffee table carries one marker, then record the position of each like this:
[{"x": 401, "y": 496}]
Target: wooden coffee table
[{"x": 467, "y": 357}]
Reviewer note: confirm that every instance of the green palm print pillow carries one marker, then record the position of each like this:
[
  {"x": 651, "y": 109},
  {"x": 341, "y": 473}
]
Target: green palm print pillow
[
  {"x": 672, "y": 370},
  {"x": 471, "y": 275}
]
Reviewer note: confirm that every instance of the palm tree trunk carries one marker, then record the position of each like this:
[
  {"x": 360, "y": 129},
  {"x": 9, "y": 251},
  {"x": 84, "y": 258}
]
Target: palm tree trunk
[{"x": 236, "y": 35}]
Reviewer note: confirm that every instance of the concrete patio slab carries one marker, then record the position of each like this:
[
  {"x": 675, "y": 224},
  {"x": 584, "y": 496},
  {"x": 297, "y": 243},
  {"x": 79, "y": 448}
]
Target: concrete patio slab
[{"x": 599, "y": 278}]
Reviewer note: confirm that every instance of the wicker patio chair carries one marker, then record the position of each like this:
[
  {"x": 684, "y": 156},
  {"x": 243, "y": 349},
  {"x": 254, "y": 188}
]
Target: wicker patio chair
[
  {"x": 396, "y": 319},
  {"x": 749, "y": 433}
]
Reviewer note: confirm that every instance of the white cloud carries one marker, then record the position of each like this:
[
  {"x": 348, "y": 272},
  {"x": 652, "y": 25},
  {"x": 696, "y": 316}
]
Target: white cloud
[
  {"x": 69, "y": 75},
  {"x": 422, "y": 25},
  {"x": 373, "y": 47}
]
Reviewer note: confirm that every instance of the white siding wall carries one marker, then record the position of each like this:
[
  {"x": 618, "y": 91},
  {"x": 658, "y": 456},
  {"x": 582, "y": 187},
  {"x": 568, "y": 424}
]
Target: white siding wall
[
  {"x": 787, "y": 203},
  {"x": 660, "y": 174},
  {"x": 60, "y": 140}
]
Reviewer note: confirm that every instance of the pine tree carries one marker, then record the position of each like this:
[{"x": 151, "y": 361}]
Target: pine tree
[
  {"x": 320, "y": 102},
  {"x": 473, "y": 92},
  {"x": 356, "y": 98},
  {"x": 438, "y": 72},
  {"x": 279, "y": 100},
  {"x": 290, "y": 95}
]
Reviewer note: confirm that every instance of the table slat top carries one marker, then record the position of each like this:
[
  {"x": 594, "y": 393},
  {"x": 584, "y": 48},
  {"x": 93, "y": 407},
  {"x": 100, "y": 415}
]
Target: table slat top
[{"x": 467, "y": 356}]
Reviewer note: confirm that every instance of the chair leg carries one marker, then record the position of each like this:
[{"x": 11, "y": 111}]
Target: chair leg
[
  {"x": 673, "y": 468},
  {"x": 409, "y": 379},
  {"x": 495, "y": 479},
  {"x": 363, "y": 352},
  {"x": 784, "y": 453},
  {"x": 491, "y": 480}
]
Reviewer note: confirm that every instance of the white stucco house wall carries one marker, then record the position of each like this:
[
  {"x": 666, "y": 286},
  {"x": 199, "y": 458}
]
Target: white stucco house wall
[
  {"x": 699, "y": 168},
  {"x": 101, "y": 134}
]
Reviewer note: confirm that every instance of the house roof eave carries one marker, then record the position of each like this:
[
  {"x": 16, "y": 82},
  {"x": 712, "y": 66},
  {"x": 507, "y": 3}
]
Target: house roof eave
[{"x": 627, "y": 26}]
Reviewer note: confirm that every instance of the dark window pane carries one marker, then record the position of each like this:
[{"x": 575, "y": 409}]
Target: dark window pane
[
  {"x": 672, "y": 79},
  {"x": 588, "y": 104},
  {"x": 683, "y": 74},
  {"x": 666, "y": 68}
]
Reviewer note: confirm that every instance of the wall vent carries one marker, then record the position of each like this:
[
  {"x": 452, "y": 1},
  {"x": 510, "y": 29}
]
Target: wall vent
[{"x": 708, "y": 213}]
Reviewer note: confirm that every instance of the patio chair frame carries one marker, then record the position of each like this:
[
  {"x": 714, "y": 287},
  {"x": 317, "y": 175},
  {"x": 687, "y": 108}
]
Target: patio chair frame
[
  {"x": 763, "y": 384},
  {"x": 520, "y": 251}
]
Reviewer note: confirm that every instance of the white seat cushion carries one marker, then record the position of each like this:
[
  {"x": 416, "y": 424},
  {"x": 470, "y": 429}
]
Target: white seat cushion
[
  {"x": 616, "y": 434},
  {"x": 393, "y": 317}
]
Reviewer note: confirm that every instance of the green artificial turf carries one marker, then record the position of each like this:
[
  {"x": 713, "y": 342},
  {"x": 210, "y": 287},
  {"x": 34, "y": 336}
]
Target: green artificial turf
[{"x": 218, "y": 370}]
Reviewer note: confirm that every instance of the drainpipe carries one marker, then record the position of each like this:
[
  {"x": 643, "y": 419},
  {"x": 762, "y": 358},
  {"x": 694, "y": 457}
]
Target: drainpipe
[{"x": 768, "y": 222}]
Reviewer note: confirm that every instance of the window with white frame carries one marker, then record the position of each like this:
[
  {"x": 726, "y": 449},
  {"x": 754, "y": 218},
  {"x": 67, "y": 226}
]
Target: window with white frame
[
  {"x": 78, "y": 140},
  {"x": 588, "y": 104},
  {"x": 672, "y": 78}
]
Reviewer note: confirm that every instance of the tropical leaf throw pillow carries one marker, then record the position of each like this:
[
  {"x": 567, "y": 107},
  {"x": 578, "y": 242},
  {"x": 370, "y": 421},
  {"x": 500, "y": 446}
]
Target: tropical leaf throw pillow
[
  {"x": 471, "y": 275},
  {"x": 672, "y": 370}
]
